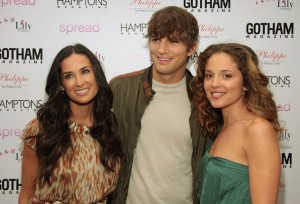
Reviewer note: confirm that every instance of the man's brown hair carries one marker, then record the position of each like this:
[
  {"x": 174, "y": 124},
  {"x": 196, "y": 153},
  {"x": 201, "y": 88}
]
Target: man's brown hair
[{"x": 174, "y": 22}]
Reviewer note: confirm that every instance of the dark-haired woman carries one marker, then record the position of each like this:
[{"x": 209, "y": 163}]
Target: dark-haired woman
[{"x": 71, "y": 151}]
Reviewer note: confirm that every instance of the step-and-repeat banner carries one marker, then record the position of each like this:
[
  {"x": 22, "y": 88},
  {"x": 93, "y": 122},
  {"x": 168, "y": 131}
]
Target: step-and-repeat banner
[{"x": 33, "y": 31}]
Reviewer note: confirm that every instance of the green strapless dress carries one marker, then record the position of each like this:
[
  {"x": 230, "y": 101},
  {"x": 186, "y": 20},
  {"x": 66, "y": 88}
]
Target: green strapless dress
[{"x": 222, "y": 181}]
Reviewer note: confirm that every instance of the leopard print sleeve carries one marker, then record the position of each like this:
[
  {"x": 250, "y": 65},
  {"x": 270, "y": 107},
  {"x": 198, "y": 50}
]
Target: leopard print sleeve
[{"x": 30, "y": 132}]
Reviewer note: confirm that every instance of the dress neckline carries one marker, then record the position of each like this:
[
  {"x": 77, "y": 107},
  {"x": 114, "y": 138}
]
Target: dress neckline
[
  {"x": 222, "y": 158},
  {"x": 71, "y": 122}
]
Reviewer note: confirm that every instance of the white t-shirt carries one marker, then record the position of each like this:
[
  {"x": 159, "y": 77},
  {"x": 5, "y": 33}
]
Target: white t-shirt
[{"x": 161, "y": 171}]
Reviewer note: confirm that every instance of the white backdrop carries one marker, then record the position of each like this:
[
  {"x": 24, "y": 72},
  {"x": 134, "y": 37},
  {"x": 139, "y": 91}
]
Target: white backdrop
[{"x": 33, "y": 31}]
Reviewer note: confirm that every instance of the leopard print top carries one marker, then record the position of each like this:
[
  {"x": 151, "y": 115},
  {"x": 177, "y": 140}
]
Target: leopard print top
[{"x": 79, "y": 176}]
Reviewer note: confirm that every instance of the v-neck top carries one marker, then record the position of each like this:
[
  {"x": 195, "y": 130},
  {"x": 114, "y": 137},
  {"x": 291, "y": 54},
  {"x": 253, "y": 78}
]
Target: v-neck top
[{"x": 223, "y": 181}]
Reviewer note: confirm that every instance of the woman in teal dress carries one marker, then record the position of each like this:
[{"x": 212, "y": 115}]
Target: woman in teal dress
[{"x": 242, "y": 163}]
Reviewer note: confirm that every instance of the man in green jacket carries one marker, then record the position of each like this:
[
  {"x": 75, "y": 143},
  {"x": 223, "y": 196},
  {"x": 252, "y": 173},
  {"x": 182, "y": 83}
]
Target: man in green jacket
[{"x": 160, "y": 128}]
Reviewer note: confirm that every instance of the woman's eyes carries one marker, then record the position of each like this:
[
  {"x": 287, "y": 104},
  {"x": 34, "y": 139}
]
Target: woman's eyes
[
  {"x": 208, "y": 76},
  {"x": 225, "y": 76},
  {"x": 67, "y": 76},
  {"x": 85, "y": 71}
]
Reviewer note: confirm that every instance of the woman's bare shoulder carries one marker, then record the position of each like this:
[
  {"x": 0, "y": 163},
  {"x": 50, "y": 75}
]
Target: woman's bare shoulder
[{"x": 259, "y": 134}]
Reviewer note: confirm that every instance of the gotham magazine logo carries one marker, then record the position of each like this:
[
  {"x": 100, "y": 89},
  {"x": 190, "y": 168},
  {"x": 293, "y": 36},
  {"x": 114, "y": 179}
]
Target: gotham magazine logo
[
  {"x": 10, "y": 186},
  {"x": 270, "y": 30},
  {"x": 12, "y": 80},
  {"x": 133, "y": 28},
  {"x": 81, "y": 4},
  {"x": 210, "y": 31},
  {"x": 279, "y": 81},
  {"x": 267, "y": 57},
  {"x": 23, "y": 26},
  {"x": 212, "y": 6},
  {"x": 19, "y": 105},
  {"x": 285, "y": 5},
  {"x": 286, "y": 160},
  {"x": 21, "y": 55}
]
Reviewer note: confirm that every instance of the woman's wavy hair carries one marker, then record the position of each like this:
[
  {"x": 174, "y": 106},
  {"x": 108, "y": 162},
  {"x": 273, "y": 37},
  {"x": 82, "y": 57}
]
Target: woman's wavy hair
[
  {"x": 258, "y": 98},
  {"x": 54, "y": 137}
]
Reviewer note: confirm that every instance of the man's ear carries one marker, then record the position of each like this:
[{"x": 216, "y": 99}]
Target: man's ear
[{"x": 193, "y": 49}]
